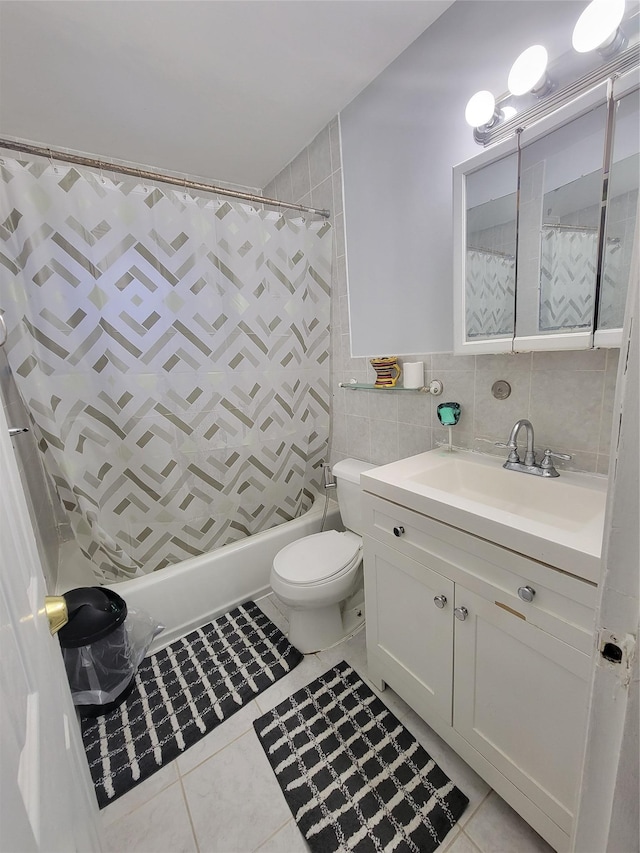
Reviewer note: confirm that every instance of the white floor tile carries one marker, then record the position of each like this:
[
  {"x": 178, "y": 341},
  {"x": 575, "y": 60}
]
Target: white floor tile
[
  {"x": 462, "y": 844},
  {"x": 496, "y": 828},
  {"x": 352, "y": 650},
  {"x": 289, "y": 839},
  {"x": 234, "y": 799},
  {"x": 308, "y": 669},
  {"x": 230, "y": 729},
  {"x": 160, "y": 826},
  {"x": 141, "y": 794}
]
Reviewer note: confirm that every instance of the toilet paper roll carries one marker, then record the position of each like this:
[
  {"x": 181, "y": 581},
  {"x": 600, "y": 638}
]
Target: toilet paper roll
[{"x": 413, "y": 374}]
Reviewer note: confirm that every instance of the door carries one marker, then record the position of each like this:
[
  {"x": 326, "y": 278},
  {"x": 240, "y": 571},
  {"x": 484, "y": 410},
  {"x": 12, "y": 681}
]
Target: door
[
  {"x": 520, "y": 698},
  {"x": 409, "y": 628},
  {"x": 46, "y": 795}
]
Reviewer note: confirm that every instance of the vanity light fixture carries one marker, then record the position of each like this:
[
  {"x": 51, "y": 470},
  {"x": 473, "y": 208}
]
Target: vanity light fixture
[
  {"x": 606, "y": 44},
  {"x": 529, "y": 72},
  {"x": 597, "y": 28},
  {"x": 481, "y": 109}
]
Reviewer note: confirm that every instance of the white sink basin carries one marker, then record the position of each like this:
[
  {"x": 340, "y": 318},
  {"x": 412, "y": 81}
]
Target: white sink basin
[{"x": 558, "y": 521}]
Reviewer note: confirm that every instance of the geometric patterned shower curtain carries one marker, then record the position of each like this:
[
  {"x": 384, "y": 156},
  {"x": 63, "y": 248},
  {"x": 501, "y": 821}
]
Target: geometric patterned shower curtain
[{"x": 173, "y": 353}]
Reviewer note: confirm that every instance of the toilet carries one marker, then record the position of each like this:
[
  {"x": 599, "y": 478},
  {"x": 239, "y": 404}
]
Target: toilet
[{"x": 320, "y": 577}]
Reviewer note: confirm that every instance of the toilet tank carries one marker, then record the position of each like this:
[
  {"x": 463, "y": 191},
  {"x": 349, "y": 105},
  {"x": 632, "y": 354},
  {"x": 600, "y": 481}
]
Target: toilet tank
[{"x": 347, "y": 474}]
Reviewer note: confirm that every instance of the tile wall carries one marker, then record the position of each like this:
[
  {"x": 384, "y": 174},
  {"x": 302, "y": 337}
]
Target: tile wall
[{"x": 568, "y": 396}]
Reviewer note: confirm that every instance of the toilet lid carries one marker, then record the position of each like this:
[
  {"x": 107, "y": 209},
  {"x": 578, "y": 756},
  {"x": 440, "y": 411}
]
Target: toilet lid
[{"x": 317, "y": 557}]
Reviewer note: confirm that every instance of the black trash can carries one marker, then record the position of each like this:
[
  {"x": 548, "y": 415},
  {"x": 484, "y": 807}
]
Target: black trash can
[{"x": 96, "y": 650}]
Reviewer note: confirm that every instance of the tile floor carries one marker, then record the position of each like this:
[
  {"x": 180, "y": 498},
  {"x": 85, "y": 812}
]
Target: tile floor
[{"x": 222, "y": 797}]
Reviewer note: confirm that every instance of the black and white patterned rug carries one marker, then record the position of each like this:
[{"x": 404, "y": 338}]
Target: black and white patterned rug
[
  {"x": 352, "y": 775},
  {"x": 183, "y": 692}
]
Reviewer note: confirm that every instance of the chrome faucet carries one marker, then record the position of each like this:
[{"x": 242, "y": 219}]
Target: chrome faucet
[{"x": 529, "y": 466}]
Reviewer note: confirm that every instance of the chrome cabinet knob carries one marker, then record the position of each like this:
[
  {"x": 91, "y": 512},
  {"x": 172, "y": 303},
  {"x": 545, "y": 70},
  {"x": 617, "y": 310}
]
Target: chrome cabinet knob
[
  {"x": 398, "y": 531},
  {"x": 461, "y": 613},
  {"x": 440, "y": 601},
  {"x": 526, "y": 593}
]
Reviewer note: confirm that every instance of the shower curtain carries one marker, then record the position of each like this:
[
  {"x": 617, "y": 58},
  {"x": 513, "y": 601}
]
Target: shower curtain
[
  {"x": 173, "y": 353},
  {"x": 490, "y": 293}
]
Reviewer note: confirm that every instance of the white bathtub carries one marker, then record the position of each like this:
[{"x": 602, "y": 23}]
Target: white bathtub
[{"x": 197, "y": 590}]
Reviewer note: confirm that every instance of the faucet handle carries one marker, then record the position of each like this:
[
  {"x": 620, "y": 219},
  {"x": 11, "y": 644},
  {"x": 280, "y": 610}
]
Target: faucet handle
[
  {"x": 565, "y": 456},
  {"x": 512, "y": 447},
  {"x": 546, "y": 459}
]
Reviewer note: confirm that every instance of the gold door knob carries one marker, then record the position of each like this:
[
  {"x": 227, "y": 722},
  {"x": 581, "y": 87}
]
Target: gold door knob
[{"x": 55, "y": 607}]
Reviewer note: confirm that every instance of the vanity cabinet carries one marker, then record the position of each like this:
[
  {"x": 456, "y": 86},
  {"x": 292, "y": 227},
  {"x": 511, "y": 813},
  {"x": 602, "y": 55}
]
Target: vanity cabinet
[{"x": 502, "y": 680}]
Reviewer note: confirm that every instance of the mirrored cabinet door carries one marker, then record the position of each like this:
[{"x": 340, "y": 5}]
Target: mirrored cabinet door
[
  {"x": 490, "y": 262},
  {"x": 621, "y": 217},
  {"x": 561, "y": 177},
  {"x": 486, "y": 239}
]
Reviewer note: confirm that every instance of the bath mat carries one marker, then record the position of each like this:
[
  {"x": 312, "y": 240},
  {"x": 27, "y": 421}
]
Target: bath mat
[
  {"x": 352, "y": 775},
  {"x": 181, "y": 693}
]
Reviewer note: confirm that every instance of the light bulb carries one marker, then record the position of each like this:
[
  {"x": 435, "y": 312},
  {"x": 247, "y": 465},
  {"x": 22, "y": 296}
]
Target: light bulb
[
  {"x": 528, "y": 72},
  {"x": 597, "y": 24},
  {"x": 480, "y": 108}
]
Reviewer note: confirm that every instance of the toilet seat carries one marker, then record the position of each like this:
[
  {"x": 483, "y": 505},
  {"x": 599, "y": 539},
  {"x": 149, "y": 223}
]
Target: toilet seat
[{"x": 318, "y": 558}]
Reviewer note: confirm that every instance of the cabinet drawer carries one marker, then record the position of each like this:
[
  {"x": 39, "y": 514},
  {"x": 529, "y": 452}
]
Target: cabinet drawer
[{"x": 562, "y": 604}]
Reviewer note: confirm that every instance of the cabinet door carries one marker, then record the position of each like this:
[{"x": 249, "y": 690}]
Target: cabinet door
[
  {"x": 561, "y": 180},
  {"x": 622, "y": 212},
  {"x": 520, "y": 698},
  {"x": 409, "y": 638}
]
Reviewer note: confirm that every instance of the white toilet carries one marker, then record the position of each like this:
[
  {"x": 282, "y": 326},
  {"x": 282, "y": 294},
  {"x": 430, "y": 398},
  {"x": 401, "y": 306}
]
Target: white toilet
[{"x": 320, "y": 578}]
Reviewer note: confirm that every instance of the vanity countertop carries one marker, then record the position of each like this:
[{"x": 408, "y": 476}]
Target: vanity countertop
[{"x": 557, "y": 521}]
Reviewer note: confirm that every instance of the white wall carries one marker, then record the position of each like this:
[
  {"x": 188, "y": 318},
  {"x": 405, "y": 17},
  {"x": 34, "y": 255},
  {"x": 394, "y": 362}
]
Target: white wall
[{"x": 401, "y": 137}]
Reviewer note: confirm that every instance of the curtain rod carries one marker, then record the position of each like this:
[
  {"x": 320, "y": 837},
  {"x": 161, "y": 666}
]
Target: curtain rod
[
  {"x": 559, "y": 227},
  {"x": 491, "y": 252},
  {"x": 144, "y": 174}
]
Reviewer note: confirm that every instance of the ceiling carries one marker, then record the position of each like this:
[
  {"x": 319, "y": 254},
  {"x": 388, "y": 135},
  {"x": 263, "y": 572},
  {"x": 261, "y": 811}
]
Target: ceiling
[{"x": 231, "y": 90}]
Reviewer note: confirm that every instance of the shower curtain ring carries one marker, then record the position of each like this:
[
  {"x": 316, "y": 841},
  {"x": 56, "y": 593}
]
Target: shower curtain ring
[{"x": 51, "y": 162}]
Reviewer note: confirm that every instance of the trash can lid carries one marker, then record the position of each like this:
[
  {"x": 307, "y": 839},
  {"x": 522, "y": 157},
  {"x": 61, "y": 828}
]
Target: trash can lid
[{"x": 94, "y": 612}]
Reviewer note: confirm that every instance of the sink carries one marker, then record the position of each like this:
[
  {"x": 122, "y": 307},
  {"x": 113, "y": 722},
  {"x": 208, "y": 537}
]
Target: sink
[
  {"x": 558, "y": 521},
  {"x": 565, "y": 505}
]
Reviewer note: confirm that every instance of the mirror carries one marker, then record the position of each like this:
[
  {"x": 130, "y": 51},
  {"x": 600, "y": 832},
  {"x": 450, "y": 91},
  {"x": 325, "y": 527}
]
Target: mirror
[
  {"x": 622, "y": 205},
  {"x": 561, "y": 190},
  {"x": 490, "y": 262},
  {"x": 532, "y": 234}
]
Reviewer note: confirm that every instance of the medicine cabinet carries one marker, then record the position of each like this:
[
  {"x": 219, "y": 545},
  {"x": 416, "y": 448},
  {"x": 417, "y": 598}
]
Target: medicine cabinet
[{"x": 544, "y": 225}]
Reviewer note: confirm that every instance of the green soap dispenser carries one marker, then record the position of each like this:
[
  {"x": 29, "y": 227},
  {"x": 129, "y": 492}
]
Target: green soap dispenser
[{"x": 449, "y": 413}]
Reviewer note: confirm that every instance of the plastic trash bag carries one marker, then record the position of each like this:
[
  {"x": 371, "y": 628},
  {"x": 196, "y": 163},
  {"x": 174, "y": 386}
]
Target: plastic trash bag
[{"x": 102, "y": 671}]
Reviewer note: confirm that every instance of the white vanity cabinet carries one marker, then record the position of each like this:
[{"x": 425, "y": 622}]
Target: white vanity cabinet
[{"x": 502, "y": 680}]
